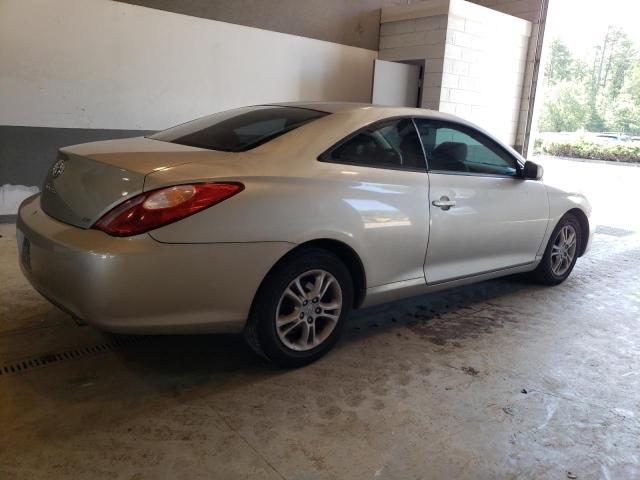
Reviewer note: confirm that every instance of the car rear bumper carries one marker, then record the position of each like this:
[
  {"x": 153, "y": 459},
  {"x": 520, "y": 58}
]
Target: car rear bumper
[{"x": 137, "y": 284}]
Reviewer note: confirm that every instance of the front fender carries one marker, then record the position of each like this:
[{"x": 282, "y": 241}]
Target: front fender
[{"x": 561, "y": 202}]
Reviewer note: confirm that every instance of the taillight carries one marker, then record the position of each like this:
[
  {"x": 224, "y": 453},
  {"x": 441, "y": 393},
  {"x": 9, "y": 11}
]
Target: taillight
[{"x": 156, "y": 208}]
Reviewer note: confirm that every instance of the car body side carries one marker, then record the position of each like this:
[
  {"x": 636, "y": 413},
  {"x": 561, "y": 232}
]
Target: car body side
[{"x": 201, "y": 273}]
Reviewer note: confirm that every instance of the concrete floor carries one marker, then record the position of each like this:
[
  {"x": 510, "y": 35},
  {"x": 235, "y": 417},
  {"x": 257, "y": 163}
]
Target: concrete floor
[{"x": 499, "y": 380}]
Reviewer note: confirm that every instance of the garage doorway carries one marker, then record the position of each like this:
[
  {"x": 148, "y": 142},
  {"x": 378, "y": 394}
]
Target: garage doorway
[{"x": 586, "y": 128}]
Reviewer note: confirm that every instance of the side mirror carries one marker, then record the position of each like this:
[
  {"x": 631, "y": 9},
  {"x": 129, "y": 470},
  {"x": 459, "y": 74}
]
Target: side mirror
[{"x": 532, "y": 171}]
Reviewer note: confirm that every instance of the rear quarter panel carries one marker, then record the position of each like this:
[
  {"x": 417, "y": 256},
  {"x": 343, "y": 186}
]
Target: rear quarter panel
[{"x": 381, "y": 214}]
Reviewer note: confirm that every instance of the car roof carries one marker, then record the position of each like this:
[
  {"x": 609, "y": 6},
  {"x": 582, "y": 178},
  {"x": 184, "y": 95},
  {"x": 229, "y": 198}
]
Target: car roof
[
  {"x": 335, "y": 107},
  {"x": 383, "y": 110},
  {"x": 328, "y": 107}
]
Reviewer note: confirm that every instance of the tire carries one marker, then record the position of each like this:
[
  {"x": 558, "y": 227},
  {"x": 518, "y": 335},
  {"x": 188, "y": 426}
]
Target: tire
[
  {"x": 279, "y": 307},
  {"x": 546, "y": 272}
]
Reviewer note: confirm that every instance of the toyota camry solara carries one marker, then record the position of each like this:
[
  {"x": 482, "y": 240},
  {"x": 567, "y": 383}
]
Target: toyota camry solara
[{"x": 278, "y": 220}]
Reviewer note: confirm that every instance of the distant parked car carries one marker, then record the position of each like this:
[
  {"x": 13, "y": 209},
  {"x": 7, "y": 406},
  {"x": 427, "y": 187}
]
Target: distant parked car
[
  {"x": 277, "y": 220},
  {"x": 635, "y": 139},
  {"x": 612, "y": 138},
  {"x": 561, "y": 137}
]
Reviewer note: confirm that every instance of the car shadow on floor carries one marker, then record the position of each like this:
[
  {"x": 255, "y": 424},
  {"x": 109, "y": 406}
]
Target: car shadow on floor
[
  {"x": 446, "y": 316},
  {"x": 194, "y": 368},
  {"x": 443, "y": 317}
]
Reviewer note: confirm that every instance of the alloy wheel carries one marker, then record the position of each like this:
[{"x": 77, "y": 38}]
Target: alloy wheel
[
  {"x": 563, "y": 250},
  {"x": 308, "y": 310}
]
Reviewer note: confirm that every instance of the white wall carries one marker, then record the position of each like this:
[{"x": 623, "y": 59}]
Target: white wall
[
  {"x": 526, "y": 9},
  {"x": 104, "y": 64},
  {"x": 395, "y": 84},
  {"x": 529, "y": 10},
  {"x": 11, "y": 196},
  {"x": 484, "y": 67}
]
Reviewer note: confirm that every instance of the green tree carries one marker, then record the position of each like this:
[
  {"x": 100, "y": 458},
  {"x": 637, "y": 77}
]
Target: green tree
[
  {"x": 626, "y": 118},
  {"x": 603, "y": 95},
  {"x": 565, "y": 109},
  {"x": 614, "y": 58},
  {"x": 560, "y": 65},
  {"x": 632, "y": 83},
  {"x": 593, "y": 120},
  {"x": 625, "y": 114}
]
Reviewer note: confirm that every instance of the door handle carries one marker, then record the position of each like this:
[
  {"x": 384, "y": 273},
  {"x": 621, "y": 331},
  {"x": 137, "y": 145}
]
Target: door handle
[{"x": 444, "y": 203}]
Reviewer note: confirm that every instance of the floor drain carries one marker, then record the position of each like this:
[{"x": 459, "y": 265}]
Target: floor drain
[
  {"x": 613, "y": 231},
  {"x": 54, "y": 358}
]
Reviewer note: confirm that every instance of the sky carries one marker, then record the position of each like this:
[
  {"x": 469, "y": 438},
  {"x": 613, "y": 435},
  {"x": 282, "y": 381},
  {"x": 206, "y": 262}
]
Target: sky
[{"x": 582, "y": 24}]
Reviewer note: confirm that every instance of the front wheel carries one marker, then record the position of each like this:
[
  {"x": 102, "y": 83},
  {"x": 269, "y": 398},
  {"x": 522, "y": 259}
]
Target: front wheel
[
  {"x": 561, "y": 253},
  {"x": 299, "y": 310}
]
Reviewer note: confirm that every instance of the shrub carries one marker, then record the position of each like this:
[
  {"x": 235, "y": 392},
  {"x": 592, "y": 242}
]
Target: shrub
[
  {"x": 538, "y": 145},
  {"x": 596, "y": 151}
]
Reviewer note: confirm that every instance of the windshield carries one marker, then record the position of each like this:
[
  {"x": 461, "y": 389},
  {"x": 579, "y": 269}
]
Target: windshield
[{"x": 239, "y": 130}]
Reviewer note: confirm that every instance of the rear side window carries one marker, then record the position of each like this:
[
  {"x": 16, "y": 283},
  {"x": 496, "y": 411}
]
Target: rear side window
[
  {"x": 390, "y": 144},
  {"x": 239, "y": 130}
]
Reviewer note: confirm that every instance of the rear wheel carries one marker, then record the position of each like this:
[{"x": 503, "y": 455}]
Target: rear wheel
[
  {"x": 561, "y": 253},
  {"x": 299, "y": 310}
]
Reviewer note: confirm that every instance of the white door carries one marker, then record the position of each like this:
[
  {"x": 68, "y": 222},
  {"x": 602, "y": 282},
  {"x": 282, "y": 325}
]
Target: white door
[
  {"x": 484, "y": 217},
  {"x": 395, "y": 84}
]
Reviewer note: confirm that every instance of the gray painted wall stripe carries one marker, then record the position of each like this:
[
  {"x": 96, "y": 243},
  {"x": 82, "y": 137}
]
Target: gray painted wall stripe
[
  {"x": 8, "y": 218},
  {"x": 26, "y": 153}
]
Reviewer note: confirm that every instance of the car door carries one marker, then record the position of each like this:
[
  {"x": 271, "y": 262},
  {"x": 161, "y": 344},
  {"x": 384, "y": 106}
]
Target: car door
[
  {"x": 384, "y": 187},
  {"x": 484, "y": 215}
]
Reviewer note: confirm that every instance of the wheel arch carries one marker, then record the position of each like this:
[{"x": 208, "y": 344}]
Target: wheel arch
[
  {"x": 345, "y": 253},
  {"x": 584, "y": 225}
]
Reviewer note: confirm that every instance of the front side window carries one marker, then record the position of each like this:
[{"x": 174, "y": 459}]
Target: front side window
[
  {"x": 453, "y": 148},
  {"x": 239, "y": 130},
  {"x": 390, "y": 144}
]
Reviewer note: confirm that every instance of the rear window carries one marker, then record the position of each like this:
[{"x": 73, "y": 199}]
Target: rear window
[{"x": 239, "y": 130}]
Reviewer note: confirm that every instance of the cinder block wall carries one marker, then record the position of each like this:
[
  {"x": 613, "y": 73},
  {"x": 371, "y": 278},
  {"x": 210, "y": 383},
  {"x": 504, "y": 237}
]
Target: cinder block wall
[
  {"x": 474, "y": 58},
  {"x": 418, "y": 39},
  {"x": 483, "y": 69},
  {"x": 531, "y": 10}
]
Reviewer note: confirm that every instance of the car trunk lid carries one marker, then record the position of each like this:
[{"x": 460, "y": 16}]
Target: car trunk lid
[{"x": 88, "y": 180}]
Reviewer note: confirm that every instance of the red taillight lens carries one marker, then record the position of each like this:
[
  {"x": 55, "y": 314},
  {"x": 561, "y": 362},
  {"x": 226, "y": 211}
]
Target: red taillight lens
[{"x": 154, "y": 209}]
